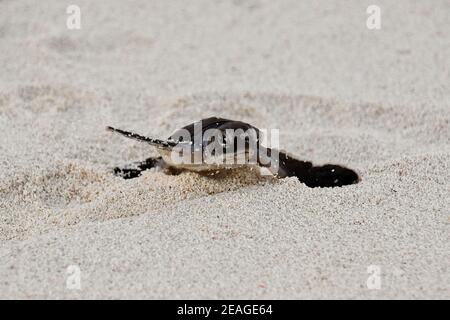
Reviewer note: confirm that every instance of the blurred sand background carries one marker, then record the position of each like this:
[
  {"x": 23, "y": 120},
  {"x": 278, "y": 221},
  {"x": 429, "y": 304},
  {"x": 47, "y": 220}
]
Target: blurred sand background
[{"x": 377, "y": 101}]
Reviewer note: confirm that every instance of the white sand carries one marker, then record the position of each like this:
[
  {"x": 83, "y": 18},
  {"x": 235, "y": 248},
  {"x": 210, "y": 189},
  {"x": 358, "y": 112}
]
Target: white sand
[{"x": 376, "y": 101}]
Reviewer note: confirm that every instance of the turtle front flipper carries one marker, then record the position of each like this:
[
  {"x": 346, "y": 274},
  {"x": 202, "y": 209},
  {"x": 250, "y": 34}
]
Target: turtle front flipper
[
  {"x": 329, "y": 175},
  {"x": 161, "y": 144},
  {"x": 135, "y": 169}
]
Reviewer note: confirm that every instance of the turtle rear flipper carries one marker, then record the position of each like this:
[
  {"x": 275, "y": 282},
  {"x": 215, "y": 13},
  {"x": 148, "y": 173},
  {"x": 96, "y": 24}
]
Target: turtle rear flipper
[{"x": 135, "y": 169}]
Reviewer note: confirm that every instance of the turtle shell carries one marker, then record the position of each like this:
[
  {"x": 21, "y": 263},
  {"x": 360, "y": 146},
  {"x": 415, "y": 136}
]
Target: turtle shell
[{"x": 200, "y": 136}]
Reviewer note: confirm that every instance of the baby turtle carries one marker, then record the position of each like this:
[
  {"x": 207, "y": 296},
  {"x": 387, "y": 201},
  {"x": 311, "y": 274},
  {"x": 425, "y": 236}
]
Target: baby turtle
[{"x": 197, "y": 146}]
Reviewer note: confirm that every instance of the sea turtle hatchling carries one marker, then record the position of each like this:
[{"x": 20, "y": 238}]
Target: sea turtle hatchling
[{"x": 194, "y": 141}]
